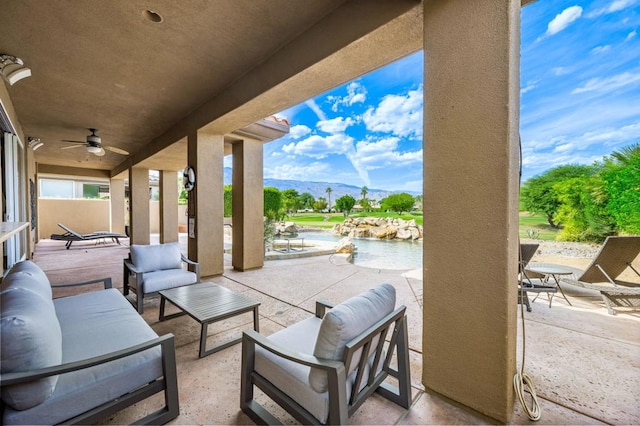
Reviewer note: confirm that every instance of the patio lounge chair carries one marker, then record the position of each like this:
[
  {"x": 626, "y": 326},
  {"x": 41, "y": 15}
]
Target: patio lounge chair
[
  {"x": 526, "y": 283},
  {"x": 323, "y": 368},
  {"x": 70, "y": 236},
  {"x": 603, "y": 274}
]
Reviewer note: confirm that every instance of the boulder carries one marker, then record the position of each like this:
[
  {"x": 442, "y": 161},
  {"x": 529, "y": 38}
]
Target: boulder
[
  {"x": 403, "y": 234},
  {"x": 360, "y": 233},
  {"x": 384, "y": 232},
  {"x": 345, "y": 246},
  {"x": 415, "y": 233}
]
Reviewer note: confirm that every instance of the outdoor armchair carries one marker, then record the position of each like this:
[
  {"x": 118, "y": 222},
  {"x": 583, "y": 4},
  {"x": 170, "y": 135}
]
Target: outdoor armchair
[
  {"x": 153, "y": 268},
  {"x": 322, "y": 369}
]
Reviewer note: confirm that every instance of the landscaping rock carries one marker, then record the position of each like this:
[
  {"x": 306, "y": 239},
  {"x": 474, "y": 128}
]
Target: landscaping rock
[
  {"x": 345, "y": 246},
  {"x": 375, "y": 227}
]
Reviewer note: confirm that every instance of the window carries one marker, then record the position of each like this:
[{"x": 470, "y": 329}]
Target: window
[
  {"x": 90, "y": 190},
  {"x": 50, "y": 188}
]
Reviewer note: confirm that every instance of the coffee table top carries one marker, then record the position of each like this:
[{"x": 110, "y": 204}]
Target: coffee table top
[{"x": 208, "y": 302}]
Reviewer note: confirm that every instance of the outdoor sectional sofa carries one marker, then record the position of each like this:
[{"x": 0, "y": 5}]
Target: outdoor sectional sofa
[{"x": 77, "y": 359}]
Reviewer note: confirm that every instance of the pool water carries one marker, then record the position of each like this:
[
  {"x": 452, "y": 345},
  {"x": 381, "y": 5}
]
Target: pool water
[{"x": 375, "y": 253}]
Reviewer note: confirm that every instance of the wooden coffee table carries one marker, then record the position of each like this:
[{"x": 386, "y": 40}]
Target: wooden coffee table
[{"x": 208, "y": 303}]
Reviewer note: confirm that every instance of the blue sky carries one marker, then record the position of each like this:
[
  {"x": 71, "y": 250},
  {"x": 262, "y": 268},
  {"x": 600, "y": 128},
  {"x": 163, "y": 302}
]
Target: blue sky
[{"x": 580, "y": 100}]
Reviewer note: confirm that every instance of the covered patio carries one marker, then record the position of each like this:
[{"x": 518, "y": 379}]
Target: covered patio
[
  {"x": 582, "y": 361},
  {"x": 176, "y": 86}
]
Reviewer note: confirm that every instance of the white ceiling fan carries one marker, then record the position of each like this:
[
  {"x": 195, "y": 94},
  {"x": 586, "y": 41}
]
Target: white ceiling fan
[{"x": 94, "y": 145}]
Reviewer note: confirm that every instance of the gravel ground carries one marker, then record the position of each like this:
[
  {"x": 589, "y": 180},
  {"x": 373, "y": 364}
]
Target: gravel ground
[{"x": 565, "y": 249}]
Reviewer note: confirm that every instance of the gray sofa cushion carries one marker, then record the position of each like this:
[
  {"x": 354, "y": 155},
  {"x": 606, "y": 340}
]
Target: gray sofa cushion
[
  {"x": 347, "y": 320},
  {"x": 29, "y": 275},
  {"x": 93, "y": 324},
  {"x": 30, "y": 338},
  {"x": 170, "y": 278},
  {"x": 157, "y": 257}
]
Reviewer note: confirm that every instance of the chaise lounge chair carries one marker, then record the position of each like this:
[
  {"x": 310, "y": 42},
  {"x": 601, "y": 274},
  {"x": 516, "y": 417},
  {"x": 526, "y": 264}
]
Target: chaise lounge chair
[
  {"x": 70, "y": 236},
  {"x": 603, "y": 274}
]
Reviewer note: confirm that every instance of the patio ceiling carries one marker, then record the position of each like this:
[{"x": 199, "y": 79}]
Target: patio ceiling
[{"x": 213, "y": 65}]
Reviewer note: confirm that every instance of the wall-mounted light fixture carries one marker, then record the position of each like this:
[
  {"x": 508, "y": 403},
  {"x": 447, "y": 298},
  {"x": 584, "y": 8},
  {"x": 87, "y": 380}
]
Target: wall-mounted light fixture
[
  {"x": 12, "y": 68},
  {"x": 34, "y": 143}
]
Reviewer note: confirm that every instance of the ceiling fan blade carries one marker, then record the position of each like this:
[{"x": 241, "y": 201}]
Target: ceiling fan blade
[
  {"x": 81, "y": 142},
  {"x": 72, "y": 146},
  {"x": 116, "y": 150},
  {"x": 100, "y": 153}
]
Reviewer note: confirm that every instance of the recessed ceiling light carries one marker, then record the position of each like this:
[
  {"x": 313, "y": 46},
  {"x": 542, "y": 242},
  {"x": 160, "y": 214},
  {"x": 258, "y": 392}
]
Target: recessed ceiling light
[{"x": 152, "y": 16}]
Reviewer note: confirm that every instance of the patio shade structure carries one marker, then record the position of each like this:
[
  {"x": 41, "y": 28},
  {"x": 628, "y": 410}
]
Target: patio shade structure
[{"x": 186, "y": 84}]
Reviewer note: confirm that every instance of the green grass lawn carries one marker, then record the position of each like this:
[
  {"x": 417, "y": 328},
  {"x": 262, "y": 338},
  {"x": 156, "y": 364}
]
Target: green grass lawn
[
  {"x": 536, "y": 224},
  {"x": 327, "y": 220},
  {"x": 529, "y": 223}
]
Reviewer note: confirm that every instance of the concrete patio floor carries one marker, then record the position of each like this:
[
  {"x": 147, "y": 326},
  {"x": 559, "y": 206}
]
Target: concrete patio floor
[{"x": 585, "y": 364}]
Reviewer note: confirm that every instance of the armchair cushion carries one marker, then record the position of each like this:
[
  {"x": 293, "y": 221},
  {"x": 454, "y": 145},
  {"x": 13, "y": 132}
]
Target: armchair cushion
[
  {"x": 30, "y": 339},
  {"x": 162, "y": 280},
  {"x": 157, "y": 257},
  {"x": 346, "y": 321},
  {"x": 294, "y": 377}
]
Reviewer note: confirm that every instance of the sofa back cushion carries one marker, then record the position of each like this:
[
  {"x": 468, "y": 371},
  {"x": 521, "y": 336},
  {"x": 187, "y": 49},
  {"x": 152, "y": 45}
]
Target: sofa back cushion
[
  {"x": 344, "y": 322},
  {"x": 30, "y": 338},
  {"x": 158, "y": 257},
  {"x": 27, "y": 274}
]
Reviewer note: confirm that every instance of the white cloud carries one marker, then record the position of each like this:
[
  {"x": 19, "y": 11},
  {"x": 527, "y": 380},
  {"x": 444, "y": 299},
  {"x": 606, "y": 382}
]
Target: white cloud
[
  {"x": 560, "y": 71},
  {"x": 296, "y": 172},
  {"x": 528, "y": 88},
  {"x": 320, "y": 147},
  {"x": 335, "y": 125},
  {"x": 316, "y": 109},
  {"x": 615, "y": 6},
  {"x": 563, "y": 19},
  {"x": 398, "y": 115},
  {"x": 611, "y": 135},
  {"x": 631, "y": 35},
  {"x": 356, "y": 93},
  {"x": 576, "y": 149},
  {"x": 601, "y": 49},
  {"x": 299, "y": 131},
  {"x": 608, "y": 83}
]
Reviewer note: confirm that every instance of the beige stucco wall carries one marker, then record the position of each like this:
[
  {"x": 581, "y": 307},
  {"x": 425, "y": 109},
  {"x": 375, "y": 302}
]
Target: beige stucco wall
[
  {"x": 91, "y": 215},
  {"x": 83, "y": 216}
]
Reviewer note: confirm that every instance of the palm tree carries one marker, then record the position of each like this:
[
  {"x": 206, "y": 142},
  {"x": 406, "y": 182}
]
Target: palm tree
[
  {"x": 624, "y": 155},
  {"x": 329, "y": 191},
  {"x": 364, "y": 191}
]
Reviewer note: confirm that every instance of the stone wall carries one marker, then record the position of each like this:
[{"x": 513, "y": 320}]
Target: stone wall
[{"x": 375, "y": 227}]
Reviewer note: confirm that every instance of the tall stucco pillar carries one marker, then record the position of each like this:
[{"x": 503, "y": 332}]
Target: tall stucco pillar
[
  {"x": 139, "y": 206},
  {"x": 471, "y": 84},
  {"x": 248, "y": 200},
  {"x": 168, "y": 206},
  {"x": 116, "y": 199},
  {"x": 206, "y": 208}
]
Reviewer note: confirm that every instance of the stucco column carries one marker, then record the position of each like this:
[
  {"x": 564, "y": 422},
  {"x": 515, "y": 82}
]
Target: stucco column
[
  {"x": 168, "y": 206},
  {"x": 116, "y": 200},
  {"x": 206, "y": 208},
  {"x": 471, "y": 85},
  {"x": 248, "y": 200},
  {"x": 139, "y": 206}
]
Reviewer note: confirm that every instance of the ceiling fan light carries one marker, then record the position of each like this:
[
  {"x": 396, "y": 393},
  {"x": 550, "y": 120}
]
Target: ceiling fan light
[{"x": 94, "y": 149}]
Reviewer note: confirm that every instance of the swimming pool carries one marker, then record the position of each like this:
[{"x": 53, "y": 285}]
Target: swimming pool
[{"x": 375, "y": 253}]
